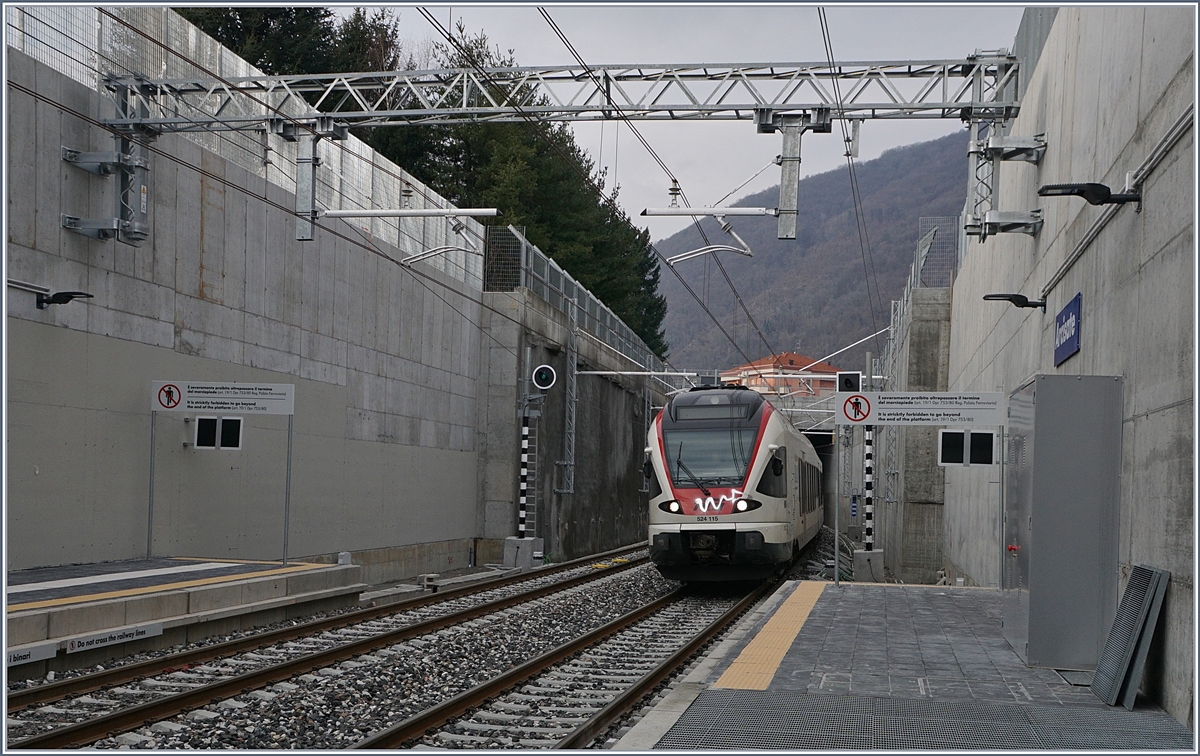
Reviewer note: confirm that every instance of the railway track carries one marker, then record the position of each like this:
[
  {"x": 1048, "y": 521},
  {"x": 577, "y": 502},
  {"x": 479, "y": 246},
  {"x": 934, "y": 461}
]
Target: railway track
[
  {"x": 573, "y": 694},
  {"x": 85, "y": 709}
]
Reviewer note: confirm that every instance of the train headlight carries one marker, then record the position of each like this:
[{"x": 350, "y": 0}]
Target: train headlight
[
  {"x": 745, "y": 505},
  {"x": 671, "y": 506}
]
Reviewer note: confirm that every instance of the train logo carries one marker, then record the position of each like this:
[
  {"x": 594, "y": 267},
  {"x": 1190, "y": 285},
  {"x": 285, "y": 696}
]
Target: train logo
[{"x": 716, "y": 504}]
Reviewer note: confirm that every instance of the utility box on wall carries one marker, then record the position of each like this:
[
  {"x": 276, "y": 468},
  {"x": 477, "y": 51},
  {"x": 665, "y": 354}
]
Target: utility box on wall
[{"x": 1061, "y": 518}]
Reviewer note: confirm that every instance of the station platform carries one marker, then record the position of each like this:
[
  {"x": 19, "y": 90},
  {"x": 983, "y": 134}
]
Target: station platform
[
  {"x": 94, "y": 612},
  {"x": 887, "y": 666}
]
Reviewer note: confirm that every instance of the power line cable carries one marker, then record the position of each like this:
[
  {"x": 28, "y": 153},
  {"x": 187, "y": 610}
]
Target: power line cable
[
  {"x": 860, "y": 218},
  {"x": 574, "y": 166},
  {"x": 368, "y": 246},
  {"x": 654, "y": 154}
]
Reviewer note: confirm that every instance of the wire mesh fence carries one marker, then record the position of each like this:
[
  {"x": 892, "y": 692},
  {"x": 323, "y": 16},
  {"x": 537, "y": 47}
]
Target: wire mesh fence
[{"x": 935, "y": 265}]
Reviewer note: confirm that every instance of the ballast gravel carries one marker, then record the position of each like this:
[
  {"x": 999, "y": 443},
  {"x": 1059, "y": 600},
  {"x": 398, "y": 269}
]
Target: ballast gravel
[{"x": 324, "y": 711}]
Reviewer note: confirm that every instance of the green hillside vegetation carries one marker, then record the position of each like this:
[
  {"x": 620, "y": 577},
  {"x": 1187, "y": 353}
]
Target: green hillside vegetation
[
  {"x": 536, "y": 174},
  {"x": 809, "y": 295}
]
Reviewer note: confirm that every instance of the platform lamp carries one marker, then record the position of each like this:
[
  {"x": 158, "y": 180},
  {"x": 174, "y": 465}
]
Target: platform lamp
[
  {"x": 1095, "y": 194},
  {"x": 1016, "y": 300},
  {"x": 60, "y": 297}
]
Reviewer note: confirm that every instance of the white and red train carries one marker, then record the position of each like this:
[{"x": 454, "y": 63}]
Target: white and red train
[{"x": 735, "y": 489}]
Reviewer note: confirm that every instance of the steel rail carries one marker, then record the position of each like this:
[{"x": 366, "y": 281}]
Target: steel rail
[
  {"x": 417, "y": 725},
  {"x": 18, "y": 700},
  {"x": 623, "y": 703},
  {"x": 84, "y": 733}
]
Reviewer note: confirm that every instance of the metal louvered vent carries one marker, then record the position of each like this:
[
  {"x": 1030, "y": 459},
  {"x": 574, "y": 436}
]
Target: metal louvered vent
[{"x": 1143, "y": 590}]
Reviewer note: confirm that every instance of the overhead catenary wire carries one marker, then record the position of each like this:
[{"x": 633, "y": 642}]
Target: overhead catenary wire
[
  {"x": 422, "y": 279},
  {"x": 237, "y": 187},
  {"x": 662, "y": 164},
  {"x": 574, "y": 166},
  {"x": 295, "y": 120},
  {"x": 860, "y": 218}
]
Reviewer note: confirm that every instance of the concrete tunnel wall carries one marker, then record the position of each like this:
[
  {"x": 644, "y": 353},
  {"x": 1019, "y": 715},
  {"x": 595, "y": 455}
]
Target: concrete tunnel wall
[
  {"x": 400, "y": 397},
  {"x": 1110, "y": 83}
]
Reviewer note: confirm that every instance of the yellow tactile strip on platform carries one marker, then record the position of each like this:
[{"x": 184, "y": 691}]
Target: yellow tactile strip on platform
[{"x": 756, "y": 665}]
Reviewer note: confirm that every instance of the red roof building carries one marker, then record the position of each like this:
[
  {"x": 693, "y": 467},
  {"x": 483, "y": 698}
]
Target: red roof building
[{"x": 788, "y": 374}]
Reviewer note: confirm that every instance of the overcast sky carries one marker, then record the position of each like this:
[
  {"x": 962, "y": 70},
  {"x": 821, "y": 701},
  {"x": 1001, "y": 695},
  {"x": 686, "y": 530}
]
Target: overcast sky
[{"x": 711, "y": 159}]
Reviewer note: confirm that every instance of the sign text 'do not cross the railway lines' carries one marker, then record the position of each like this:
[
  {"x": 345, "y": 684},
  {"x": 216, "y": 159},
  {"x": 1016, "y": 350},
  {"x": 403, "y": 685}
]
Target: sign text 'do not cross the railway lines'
[
  {"x": 242, "y": 398},
  {"x": 978, "y": 410}
]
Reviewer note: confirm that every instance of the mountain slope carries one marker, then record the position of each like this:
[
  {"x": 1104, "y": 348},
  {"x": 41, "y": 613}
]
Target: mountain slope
[{"x": 809, "y": 295}]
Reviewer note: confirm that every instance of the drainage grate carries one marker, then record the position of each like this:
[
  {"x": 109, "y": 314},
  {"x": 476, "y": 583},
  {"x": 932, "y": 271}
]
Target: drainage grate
[{"x": 1079, "y": 677}]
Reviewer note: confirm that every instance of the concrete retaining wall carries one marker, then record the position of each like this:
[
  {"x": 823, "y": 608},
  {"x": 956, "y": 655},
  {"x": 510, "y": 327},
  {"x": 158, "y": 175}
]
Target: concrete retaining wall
[
  {"x": 1110, "y": 83},
  {"x": 384, "y": 367},
  {"x": 911, "y": 526}
]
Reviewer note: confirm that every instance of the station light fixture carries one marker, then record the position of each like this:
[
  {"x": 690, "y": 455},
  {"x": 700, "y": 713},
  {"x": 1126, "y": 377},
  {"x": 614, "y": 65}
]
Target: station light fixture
[
  {"x": 1016, "y": 300},
  {"x": 1095, "y": 194},
  {"x": 60, "y": 297}
]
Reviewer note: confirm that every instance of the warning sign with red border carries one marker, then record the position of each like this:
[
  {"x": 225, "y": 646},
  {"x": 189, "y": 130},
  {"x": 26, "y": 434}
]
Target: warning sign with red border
[
  {"x": 921, "y": 408},
  {"x": 240, "y": 398}
]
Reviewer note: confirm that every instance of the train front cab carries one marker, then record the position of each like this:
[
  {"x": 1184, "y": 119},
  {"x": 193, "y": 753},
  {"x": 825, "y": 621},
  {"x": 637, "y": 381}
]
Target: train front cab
[{"x": 707, "y": 446}]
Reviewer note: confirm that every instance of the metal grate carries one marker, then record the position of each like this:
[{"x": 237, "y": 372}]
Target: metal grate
[
  {"x": 502, "y": 261},
  {"x": 1127, "y": 625},
  {"x": 743, "y": 720},
  {"x": 1133, "y": 680},
  {"x": 941, "y": 260}
]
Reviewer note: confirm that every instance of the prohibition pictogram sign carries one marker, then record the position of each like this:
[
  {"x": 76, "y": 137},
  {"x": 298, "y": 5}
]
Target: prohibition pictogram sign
[
  {"x": 856, "y": 408},
  {"x": 169, "y": 396}
]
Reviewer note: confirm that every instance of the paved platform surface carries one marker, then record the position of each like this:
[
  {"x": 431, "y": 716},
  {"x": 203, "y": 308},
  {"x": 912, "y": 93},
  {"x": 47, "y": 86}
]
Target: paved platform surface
[
  {"x": 886, "y": 666},
  {"x": 69, "y": 584}
]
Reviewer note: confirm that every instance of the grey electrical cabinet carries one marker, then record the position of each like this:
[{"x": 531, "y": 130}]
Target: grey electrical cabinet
[{"x": 1061, "y": 518}]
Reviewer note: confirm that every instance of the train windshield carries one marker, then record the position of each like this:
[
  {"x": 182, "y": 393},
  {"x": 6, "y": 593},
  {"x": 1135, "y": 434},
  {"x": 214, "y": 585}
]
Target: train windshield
[{"x": 713, "y": 457}]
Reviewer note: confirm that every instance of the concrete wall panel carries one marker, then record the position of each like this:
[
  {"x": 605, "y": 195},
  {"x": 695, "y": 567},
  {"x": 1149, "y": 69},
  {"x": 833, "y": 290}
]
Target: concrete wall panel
[{"x": 1110, "y": 83}]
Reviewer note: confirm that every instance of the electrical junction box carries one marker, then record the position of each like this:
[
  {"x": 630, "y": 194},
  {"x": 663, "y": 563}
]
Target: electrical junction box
[
  {"x": 1061, "y": 518},
  {"x": 868, "y": 566}
]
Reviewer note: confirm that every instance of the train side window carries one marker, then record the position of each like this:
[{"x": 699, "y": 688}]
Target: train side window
[{"x": 774, "y": 477}]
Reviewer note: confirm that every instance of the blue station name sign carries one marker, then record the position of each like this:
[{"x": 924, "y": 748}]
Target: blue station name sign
[{"x": 1066, "y": 330}]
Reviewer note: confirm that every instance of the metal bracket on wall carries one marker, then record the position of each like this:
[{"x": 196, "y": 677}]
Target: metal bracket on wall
[
  {"x": 97, "y": 228},
  {"x": 1030, "y": 149},
  {"x": 103, "y": 163},
  {"x": 1004, "y": 222}
]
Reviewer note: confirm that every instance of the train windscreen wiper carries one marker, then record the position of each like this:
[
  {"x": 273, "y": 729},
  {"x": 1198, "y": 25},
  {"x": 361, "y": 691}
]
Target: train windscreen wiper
[{"x": 679, "y": 462}]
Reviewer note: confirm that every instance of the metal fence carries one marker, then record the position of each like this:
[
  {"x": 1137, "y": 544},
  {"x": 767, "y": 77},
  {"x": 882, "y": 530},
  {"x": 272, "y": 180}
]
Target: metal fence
[
  {"x": 935, "y": 265},
  {"x": 513, "y": 261},
  {"x": 88, "y": 43}
]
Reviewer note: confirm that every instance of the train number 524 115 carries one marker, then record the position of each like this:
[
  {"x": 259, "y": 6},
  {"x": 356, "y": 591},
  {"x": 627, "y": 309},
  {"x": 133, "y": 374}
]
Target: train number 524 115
[{"x": 707, "y": 519}]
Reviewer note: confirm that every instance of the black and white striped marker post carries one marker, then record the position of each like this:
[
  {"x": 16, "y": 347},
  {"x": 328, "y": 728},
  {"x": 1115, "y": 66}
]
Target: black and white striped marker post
[
  {"x": 524, "y": 475},
  {"x": 868, "y": 486}
]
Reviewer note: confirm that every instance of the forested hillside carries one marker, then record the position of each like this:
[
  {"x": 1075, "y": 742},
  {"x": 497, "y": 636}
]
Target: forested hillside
[{"x": 809, "y": 295}]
